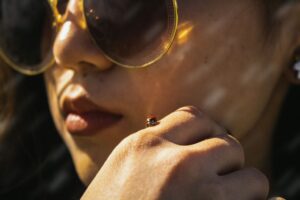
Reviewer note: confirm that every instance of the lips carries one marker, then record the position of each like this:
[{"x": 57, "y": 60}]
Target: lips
[{"x": 84, "y": 117}]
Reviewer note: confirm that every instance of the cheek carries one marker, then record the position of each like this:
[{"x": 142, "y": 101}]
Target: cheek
[
  {"x": 52, "y": 99},
  {"x": 230, "y": 79},
  {"x": 56, "y": 79}
]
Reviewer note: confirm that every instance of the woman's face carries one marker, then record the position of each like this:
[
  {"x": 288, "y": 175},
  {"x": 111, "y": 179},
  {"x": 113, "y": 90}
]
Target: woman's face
[{"x": 222, "y": 61}]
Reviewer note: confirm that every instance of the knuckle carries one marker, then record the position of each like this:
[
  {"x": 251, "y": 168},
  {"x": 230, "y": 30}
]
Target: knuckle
[
  {"x": 194, "y": 115},
  {"x": 182, "y": 162},
  {"x": 186, "y": 157},
  {"x": 234, "y": 144},
  {"x": 192, "y": 110},
  {"x": 191, "y": 114},
  {"x": 187, "y": 162},
  {"x": 142, "y": 140},
  {"x": 261, "y": 179},
  {"x": 179, "y": 157}
]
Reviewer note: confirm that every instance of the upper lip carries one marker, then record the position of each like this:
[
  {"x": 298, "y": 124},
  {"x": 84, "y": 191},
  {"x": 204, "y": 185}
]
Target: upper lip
[{"x": 81, "y": 104}]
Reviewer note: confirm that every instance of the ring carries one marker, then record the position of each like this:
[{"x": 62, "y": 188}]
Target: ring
[{"x": 151, "y": 121}]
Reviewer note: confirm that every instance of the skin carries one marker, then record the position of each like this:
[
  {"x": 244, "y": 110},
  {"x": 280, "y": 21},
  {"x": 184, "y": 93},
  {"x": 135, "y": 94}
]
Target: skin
[{"x": 228, "y": 61}]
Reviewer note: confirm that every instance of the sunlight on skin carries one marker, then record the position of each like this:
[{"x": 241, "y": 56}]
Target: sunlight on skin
[
  {"x": 179, "y": 49},
  {"x": 183, "y": 32},
  {"x": 64, "y": 79},
  {"x": 65, "y": 30},
  {"x": 219, "y": 61},
  {"x": 269, "y": 72},
  {"x": 220, "y": 53},
  {"x": 76, "y": 9},
  {"x": 214, "y": 98},
  {"x": 74, "y": 92},
  {"x": 249, "y": 75}
]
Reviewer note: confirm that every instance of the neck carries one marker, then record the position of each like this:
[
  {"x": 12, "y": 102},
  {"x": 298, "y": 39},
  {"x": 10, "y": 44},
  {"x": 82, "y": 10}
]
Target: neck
[{"x": 258, "y": 144}]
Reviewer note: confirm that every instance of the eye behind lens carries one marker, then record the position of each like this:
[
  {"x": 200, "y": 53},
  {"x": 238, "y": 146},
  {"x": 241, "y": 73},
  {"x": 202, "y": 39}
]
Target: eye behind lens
[
  {"x": 132, "y": 33},
  {"x": 27, "y": 34}
]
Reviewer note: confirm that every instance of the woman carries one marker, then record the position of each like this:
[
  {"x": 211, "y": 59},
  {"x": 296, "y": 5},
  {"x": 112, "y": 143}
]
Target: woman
[{"x": 232, "y": 63}]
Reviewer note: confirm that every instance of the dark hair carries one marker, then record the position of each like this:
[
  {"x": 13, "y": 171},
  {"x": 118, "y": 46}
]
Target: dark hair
[
  {"x": 286, "y": 147},
  {"x": 6, "y": 97},
  {"x": 34, "y": 162}
]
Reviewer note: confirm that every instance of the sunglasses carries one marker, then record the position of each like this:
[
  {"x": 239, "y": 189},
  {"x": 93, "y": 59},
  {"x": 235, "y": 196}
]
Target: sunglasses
[{"x": 130, "y": 33}]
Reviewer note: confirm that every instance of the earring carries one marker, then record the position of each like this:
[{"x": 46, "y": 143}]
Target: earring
[{"x": 296, "y": 67}]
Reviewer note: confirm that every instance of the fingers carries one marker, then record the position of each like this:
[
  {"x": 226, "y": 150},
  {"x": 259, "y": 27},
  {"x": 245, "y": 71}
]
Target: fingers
[
  {"x": 203, "y": 139},
  {"x": 248, "y": 183},
  {"x": 187, "y": 125},
  {"x": 224, "y": 154}
]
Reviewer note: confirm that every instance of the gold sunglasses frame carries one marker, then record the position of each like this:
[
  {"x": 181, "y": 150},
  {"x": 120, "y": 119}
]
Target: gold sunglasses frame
[{"x": 58, "y": 20}]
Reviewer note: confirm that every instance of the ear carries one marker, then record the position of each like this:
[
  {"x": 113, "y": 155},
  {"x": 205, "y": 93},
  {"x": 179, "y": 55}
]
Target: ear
[{"x": 288, "y": 19}]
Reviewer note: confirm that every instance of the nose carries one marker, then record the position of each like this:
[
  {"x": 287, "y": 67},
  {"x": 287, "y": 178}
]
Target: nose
[{"x": 73, "y": 48}]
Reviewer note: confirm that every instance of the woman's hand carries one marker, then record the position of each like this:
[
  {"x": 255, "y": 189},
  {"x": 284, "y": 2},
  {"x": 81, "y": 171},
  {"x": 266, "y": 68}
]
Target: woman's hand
[{"x": 185, "y": 156}]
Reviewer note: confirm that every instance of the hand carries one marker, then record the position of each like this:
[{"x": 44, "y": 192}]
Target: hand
[{"x": 185, "y": 156}]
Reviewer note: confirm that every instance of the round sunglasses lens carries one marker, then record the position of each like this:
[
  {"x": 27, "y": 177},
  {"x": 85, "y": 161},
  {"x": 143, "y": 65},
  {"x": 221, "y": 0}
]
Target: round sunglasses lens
[
  {"x": 62, "y": 6},
  {"x": 132, "y": 32},
  {"x": 26, "y": 34}
]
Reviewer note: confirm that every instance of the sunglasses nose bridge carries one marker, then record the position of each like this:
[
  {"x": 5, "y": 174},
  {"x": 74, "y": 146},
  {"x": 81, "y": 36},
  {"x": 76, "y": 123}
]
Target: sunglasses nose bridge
[
  {"x": 74, "y": 9},
  {"x": 58, "y": 17},
  {"x": 62, "y": 15},
  {"x": 74, "y": 46}
]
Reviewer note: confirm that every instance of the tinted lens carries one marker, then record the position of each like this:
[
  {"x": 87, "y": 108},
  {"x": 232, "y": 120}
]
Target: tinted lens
[
  {"x": 132, "y": 32},
  {"x": 62, "y": 6},
  {"x": 26, "y": 33}
]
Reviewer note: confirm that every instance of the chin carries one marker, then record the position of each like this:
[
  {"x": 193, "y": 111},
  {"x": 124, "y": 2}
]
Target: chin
[{"x": 86, "y": 168}]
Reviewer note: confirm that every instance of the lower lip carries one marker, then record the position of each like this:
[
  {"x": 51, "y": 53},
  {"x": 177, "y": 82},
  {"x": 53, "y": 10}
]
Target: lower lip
[{"x": 90, "y": 123}]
